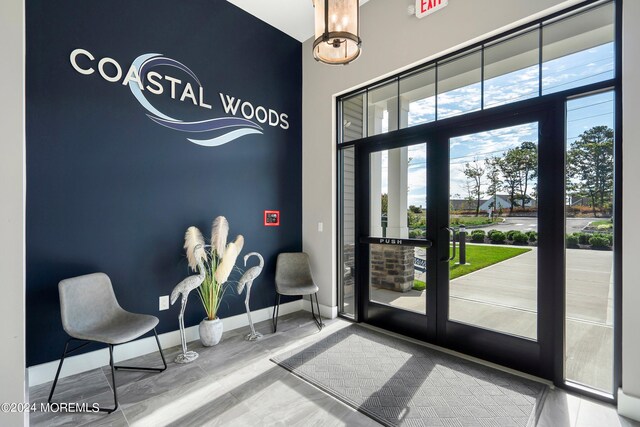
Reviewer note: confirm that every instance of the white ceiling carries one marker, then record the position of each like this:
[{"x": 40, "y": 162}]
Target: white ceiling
[{"x": 294, "y": 17}]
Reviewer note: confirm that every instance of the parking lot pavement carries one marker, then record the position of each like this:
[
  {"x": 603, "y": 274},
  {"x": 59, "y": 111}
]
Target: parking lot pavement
[{"x": 531, "y": 224}]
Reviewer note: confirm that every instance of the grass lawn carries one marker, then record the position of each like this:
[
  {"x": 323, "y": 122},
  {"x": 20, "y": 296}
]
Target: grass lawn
[
  {"x": 472, "y": 220},
  {"x": 604, "y": 224},
  {"x": 479, "y": 257}
]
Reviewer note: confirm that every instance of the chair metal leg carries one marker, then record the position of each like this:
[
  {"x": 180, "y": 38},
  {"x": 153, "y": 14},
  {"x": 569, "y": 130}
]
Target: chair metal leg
[
  {"x": 113, "y": 381},
  {"x": 55, "y": 380},
  {"x": 136, "y": 368},
  {"x": 64, "y": 354},
  {"x": 111, "y": 365},
  {"x": 276, "y": 312},
  {"x": 164, "y": 362},
  {"x": 318, "y": 319}
]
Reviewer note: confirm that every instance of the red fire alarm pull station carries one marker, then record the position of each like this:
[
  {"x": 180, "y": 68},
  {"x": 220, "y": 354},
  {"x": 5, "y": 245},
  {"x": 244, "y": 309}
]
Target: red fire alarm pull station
[{"x": 272, "y": 218}]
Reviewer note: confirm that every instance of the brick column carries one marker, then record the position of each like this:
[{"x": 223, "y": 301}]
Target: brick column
[{"x": 392, "y": 267}]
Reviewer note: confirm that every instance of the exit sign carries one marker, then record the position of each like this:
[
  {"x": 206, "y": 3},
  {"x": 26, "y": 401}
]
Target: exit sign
[{"x": 427, "y": 7}]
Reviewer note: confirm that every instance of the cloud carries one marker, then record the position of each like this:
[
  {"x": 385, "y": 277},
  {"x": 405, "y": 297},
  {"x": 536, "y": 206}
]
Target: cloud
[
  {"x": 511, "y": 87},
  {"x": 578, "y": 69},
  {"x": 572, "y": 70},
  {"x": 422, "y": 111},
  {"x": 462, "y": 100},
  {"x": 481, "y": 146}
]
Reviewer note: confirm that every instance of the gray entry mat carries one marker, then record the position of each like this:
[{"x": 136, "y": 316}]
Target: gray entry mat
[{"x": 397, "y": 382}]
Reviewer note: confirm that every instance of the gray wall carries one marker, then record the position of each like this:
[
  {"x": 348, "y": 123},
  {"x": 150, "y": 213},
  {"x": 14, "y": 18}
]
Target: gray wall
[
  {"x": 393, "y": 40},
  {"x": 631, "y": 201},
  {"x": 12, "y": 368}
]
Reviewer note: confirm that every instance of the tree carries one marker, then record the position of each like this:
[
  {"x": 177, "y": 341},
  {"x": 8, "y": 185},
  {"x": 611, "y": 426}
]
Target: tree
[
  {"x": 468, "y": 201},
  {"x": 415, "y": 209},
  {"x": 474, "y": 173},
  {"x": 590, "y": 164},
  {"x": 493, "y": 175},
  {"x": 510, "y": 177},
  {"x": 523, "y": 162},
  {"x": 384, "y": 203},
  {"x": 528, "y": 158},
  {"x": 519, "y": 168}
]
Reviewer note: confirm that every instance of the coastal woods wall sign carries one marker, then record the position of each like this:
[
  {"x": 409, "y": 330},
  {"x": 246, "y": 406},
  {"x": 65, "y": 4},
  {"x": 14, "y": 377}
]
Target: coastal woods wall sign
[{"x": 148, "y": 74}]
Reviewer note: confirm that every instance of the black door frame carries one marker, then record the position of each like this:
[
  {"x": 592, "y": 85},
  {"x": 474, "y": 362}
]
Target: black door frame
[
  {"x": 556, "y": 104},
  {"x": 531, "y": 356},
  {"x": 534, "y": 357},
  {"x": 404, "y": 322},
  {"x": 556, "y": 101}
]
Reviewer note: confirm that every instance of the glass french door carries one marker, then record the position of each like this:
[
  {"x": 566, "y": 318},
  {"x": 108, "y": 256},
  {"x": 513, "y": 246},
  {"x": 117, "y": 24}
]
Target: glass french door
[
  {"x": 456, "y": 246},
  {"x": 395, "y": 240},
  {"x": 502, "y": 192}
]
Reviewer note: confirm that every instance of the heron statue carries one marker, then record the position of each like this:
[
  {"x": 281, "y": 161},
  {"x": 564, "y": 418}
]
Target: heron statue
[
  {"x": 184, "y": 288},
  {"x": 247, "y": 279}
]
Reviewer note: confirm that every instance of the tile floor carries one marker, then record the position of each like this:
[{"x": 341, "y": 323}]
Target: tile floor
[{"x": 235, "y": 383}]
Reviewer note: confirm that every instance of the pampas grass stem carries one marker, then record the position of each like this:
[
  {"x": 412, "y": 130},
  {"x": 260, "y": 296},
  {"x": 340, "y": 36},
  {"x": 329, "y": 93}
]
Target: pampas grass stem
[
  {"x": 194, "y": 247},
  {"x": 218, "y": 262},
  {"x": 231, "y": 254},
  {"x": 219, "y": 233}
]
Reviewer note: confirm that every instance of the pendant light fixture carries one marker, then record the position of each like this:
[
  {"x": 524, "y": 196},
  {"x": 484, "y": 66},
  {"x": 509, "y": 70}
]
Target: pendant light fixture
[{"x": 337, "y": 24}]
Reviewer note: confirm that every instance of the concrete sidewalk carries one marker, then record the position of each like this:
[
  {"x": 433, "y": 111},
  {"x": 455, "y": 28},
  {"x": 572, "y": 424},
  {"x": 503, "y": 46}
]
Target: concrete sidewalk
[{"x": 503, "y": 297}]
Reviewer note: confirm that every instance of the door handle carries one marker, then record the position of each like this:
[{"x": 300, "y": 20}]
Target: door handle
[{"x": 452, "y": 233}]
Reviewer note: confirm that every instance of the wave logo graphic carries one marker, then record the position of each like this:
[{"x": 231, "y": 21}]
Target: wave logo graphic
[{"x": 231, "y": 127}]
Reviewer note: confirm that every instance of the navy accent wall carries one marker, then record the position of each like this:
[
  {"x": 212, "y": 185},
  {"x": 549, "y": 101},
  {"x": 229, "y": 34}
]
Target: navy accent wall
[{"x": 110, "y": 190}]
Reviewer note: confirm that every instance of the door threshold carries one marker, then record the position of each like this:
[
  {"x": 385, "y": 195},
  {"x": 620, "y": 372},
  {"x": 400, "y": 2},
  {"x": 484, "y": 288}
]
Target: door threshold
[{"x": 462, "y": 355}]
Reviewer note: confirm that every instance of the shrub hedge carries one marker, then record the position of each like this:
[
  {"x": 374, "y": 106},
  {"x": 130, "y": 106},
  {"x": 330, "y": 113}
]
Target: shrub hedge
[
  {"x": 610, "y": 238},
  {"x": 497, "y": 237},
  {"x": 599, "y": 241},
  {"x": 477, "y": 236},
  {"x": 519, "y": 238},
  {"x": 583, "y": 238}
]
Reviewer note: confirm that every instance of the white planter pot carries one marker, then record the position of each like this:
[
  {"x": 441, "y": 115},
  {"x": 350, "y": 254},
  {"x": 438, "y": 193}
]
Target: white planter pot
[{"x": 210, "y": 331}]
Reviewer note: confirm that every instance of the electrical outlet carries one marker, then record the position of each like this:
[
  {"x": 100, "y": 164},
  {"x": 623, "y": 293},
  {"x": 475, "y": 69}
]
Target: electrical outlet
[{"x": 164, "y": 302}]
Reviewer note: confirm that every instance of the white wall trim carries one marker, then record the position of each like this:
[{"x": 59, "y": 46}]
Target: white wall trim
[
  {"x": 325, "y": 310},
  {"x": 628, "y": 406},
  {"x": 630, "y": 297},
  {"x": 45, "y": 372}
]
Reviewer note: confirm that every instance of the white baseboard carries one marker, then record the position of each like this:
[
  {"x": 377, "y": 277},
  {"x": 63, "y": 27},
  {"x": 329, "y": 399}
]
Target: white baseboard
[
  {"x": 45, "y": 372},
  {"x": 325, "y": 310},
  {"x": 628, "y": 406}
]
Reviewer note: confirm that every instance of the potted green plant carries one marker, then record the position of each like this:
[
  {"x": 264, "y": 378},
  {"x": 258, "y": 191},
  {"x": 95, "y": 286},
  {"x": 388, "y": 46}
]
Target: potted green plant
[{"x": 218, "y": 260}]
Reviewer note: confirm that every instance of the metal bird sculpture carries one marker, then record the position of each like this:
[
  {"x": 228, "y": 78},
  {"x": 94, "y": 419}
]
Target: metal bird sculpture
[
  {"x": 184, "y": 288},
  {"x": 247, "y": 280}
]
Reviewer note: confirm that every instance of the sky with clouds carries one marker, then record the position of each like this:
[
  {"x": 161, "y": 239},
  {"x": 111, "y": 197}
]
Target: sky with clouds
[{"x": 578, "y": 69}]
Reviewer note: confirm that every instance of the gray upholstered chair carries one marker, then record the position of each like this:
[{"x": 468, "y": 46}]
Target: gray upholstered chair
[
  {"x": 91, "y": 313},
  {"x": 293, "y": 277}
]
